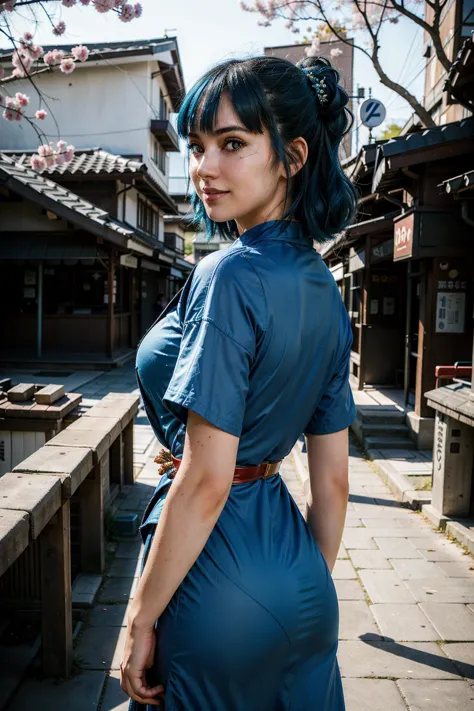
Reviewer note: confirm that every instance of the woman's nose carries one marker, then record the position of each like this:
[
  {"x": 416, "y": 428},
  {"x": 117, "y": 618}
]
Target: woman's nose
[{"x": 208, "y": 166}]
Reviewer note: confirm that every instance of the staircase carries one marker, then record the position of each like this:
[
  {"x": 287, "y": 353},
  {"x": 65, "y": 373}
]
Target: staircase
[{"x": 382, "y": 428}]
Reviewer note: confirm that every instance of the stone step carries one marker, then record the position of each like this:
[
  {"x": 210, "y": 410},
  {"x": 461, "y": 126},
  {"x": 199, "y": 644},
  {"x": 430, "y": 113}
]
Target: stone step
[
  {"x": 386, "y": 430},
  {"x": 381, "y": 442},
  {"x": 382, "y": 416}
]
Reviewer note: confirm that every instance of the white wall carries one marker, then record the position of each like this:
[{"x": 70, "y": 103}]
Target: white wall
[{"x": 96, "y": 106}]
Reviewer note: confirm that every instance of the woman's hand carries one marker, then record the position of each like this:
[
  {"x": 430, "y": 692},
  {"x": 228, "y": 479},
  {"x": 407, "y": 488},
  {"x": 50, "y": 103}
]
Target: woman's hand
[{"x": 138, "y": 656}]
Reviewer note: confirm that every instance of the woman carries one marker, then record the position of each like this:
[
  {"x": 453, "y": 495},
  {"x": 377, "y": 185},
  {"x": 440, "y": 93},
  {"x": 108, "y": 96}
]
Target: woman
[{"x": 254, "y": 351}]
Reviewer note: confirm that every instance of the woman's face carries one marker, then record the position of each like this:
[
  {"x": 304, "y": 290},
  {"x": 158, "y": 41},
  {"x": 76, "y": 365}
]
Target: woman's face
[{"x": 233, "y": 172}]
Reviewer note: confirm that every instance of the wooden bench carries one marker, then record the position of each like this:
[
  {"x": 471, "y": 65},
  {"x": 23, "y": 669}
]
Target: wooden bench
[{"x": 35, "y": 508}]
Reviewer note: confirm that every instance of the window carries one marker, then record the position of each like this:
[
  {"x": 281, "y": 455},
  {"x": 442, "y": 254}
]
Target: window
[
  {"x": 467, "y": 17},
  {"x": 148, "y": 219},
  {"x": 159, "y": 156},
  {"x": 163, "y": 107}
]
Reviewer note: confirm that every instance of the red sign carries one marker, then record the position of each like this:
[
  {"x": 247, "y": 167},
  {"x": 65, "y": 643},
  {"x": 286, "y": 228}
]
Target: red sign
[{"x": 403, "y": 237}]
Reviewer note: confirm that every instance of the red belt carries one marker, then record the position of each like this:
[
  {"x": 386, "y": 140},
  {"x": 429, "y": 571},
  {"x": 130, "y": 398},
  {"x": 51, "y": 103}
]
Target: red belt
[{"x": 242, "y": 475}]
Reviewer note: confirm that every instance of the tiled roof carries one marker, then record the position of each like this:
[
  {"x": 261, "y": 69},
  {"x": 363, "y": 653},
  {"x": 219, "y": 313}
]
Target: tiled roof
[
  {"x": 459, "y": 183},
  {"x": 460, "y": 81},
  {"x": 62, "y": 202},
  {"x": 411, "y": 142},
  {"x": 96, "y": 161},
  {"x": 145, "y": 46}
]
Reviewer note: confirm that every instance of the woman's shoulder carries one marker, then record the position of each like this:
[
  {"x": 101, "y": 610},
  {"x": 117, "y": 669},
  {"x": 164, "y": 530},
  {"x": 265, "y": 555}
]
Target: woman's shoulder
[{"x": 224, "y": 267}]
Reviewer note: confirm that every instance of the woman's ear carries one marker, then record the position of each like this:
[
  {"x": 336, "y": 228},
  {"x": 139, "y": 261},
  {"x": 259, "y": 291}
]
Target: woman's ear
[{"x": 298, "y": 150}]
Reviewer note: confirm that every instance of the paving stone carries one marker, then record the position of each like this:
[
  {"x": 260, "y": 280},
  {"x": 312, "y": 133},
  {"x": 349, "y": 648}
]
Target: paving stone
[
  {"x": 411, "y": 533},
  {"x": 382, "y": 522},
  {"x": 385, "y": 586},
  {"x": 370, "y": 559},
  {"x": 377, "y": 511},
  {"x": 437, "y": 695},
  {"x": 349, "y": 590},
  {"x": 342, "y": 552},
  {"x": 442, "y": 590},
  {"x": 358, "y": 538},
  {"x": 404, "y": 623},
  {"x": 417, "y": 569},
  {"x": 462, "y": 654},
  {"x": 108, "y": 616},
  {"x": 78, "y": 693},
  {"x": 373, "y": 694},
  {"x": 114, "y": 698},
  {"x": 344, "y": 570},
  {"x": 439, "y": 554},
  {"x": 416, "y": 660},
  {"x": 85, "y": 588},
  {"x": 458, "y": 570},
  {"x": 356, "y": 621},
  {"x": 118, "y": 590},
  {"x": 130, "y": 549},
  {"x": 454, "y": 622},
  {"x": 397, "y": 547},
  {"x": 101, "y": 648},
  {"x": 351, "y": 522},
  {"x": 125, "y": 567}
]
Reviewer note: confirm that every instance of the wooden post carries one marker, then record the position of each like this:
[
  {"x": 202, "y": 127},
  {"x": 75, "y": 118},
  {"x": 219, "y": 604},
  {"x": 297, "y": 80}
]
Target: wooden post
[
  {"x": 56, "y": 594},
  {"x": 127, "y": 435},
  {"x": 116, "y": 461},
  {"x": 452, "y": 466},
  {"x": 110, "y": 304},
  {"x": 39, "y": 332},
  {"x": 92, "y": 521}
]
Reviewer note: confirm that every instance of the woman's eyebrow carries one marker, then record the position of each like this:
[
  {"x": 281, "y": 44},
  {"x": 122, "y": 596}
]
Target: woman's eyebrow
[{"x": 220, "y": 131}]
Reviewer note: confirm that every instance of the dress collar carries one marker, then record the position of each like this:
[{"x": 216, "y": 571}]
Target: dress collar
[{"x": 274, "y": 230}]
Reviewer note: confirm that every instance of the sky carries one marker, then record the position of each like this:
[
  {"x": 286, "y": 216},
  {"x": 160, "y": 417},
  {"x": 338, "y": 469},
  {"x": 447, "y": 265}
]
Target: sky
[{"x": 208, "y": 31}]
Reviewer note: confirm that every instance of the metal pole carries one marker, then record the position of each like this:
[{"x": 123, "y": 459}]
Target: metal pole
[
  {"x": 408, "y": 325},
  {"x": 39, "y": 334},
  {"x": 357, "y": 120}
]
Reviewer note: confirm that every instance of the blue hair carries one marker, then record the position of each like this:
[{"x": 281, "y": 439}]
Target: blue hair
[{"x": 269, "y": 93}]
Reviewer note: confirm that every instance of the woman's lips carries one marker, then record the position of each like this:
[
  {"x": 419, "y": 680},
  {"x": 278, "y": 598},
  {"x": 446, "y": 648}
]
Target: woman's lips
[{"x": 212, "y": 197}]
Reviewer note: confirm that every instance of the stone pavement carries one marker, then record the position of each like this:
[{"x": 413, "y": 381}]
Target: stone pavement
[{"x": 406, "y": 601}]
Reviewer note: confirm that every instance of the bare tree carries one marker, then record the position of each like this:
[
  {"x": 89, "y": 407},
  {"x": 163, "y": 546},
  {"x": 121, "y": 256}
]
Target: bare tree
[{"x": 360, "y": 23}]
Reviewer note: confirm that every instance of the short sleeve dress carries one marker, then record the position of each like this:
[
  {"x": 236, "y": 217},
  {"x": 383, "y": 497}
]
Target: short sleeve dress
[{"x": 257, "y": 343}]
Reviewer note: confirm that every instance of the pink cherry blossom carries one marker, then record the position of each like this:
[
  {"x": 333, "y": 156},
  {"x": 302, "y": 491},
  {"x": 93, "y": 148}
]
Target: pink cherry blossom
[
  {"x": 118, "y": 3},
  {"x": 127, "y": 14},
  {"x": 69, "y": 154},
  {"x": 36, "y": 51},
  {"x": 69, "y": 3},
  {"x": 46, "y": 151},
  {"x": 37, "y": 162},
  {"x": 58, "y": 55},
  {"x": 336, "y": 52},
  {"x": 138, "y": 9},
  {"x": 60, "y": 28},
  {"x": 8, "y": 115},
  {"x": 49, "y": 59},
  {"x": 104, "y": 5},
  {"x": 61, "y": 145},
  {"x": 27, "y": 36},
  {"x": 85, "y": 2},
  {"x": 67, "y": 65},
  {"x": 41, "y": 114},
  {"x": 22, "y": 99},
  {"x": 80, "y": 53},
  {"x": 10, "y": 6},
  {"x": 60, "y": 158}
]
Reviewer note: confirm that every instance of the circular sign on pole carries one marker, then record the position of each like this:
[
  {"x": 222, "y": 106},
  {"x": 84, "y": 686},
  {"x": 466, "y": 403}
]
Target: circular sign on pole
[{"x": 372, "y": 113}]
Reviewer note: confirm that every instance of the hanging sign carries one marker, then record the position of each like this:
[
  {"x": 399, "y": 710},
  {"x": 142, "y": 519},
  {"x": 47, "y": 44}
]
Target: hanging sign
[
  {"x": 403, "y": 237},
  {"x": 372, "y": 113}
]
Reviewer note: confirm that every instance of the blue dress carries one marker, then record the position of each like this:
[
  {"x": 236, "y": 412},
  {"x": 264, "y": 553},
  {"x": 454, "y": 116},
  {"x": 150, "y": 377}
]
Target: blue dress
[{"x": 258, "y": 344}]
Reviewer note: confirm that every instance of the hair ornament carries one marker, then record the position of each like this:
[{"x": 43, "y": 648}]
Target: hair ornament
[{"x": 323, "y": 85}]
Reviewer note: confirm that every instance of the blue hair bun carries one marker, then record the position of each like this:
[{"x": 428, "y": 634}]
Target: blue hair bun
[{"x": 324, "y": 80}]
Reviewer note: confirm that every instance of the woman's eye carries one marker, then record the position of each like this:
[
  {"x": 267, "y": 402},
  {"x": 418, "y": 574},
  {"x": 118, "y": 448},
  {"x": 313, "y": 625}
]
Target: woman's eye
[
  {"x": 235, "y": 144},
  {"x": 194, "y": 147}
]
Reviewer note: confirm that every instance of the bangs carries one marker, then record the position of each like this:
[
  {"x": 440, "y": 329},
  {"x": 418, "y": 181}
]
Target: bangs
[{"x": 200, "y": 107}]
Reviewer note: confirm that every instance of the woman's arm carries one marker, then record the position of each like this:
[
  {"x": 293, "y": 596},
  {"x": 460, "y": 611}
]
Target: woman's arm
[
  {"x": 192, "y": 507},
  {"x": 328, "y": 461}
]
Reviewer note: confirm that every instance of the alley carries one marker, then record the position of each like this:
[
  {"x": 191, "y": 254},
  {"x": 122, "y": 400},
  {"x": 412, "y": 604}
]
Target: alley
[{"x": 406, "y": 600}]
